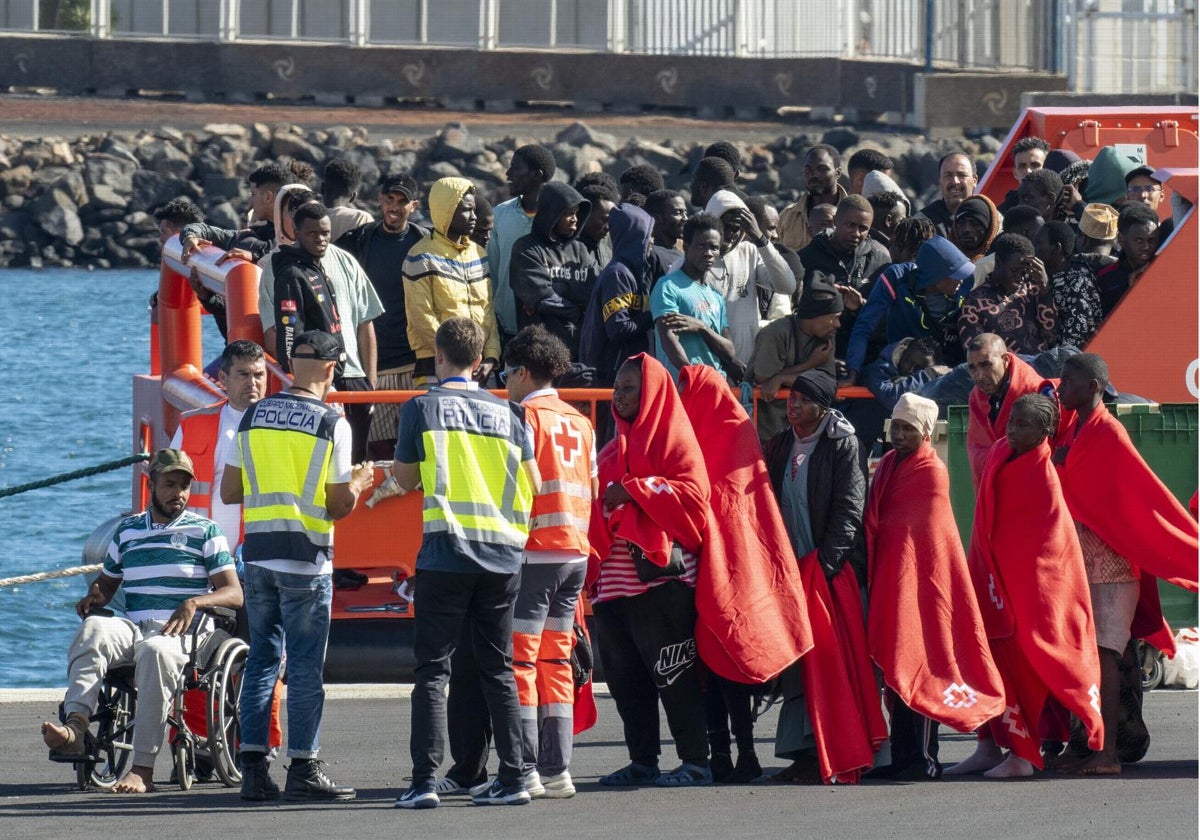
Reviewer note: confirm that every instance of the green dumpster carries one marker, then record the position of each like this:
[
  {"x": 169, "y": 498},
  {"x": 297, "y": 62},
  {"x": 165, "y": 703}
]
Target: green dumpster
[{"x": 1166, "y": 436}]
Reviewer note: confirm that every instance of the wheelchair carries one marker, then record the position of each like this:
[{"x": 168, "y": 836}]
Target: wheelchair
[{"x": 212, "y": 676}]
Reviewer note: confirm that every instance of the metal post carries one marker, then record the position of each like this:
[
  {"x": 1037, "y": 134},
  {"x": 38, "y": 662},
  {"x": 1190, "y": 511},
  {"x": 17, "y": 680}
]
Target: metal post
[
  {"x": 101, "y": 15},
  {"x": 618, "y": 17},
  {"x": 358, "y": 27},
  {"x": 228, "y": 12},
  {"x": 929, "y": 36},
  {"x": 166, "y": 18}
]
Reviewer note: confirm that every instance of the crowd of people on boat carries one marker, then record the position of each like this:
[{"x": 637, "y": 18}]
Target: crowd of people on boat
[{"x": 729, "y": 543}]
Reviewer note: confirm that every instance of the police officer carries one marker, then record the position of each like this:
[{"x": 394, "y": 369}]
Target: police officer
[{"x": 293, "y": 476}]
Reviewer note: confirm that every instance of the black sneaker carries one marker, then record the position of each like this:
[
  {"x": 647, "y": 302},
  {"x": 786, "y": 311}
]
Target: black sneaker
[
  {"x": 420, "y": 796},
  {"x": 498, "y": 794},
  {"x": 257, "y": 784},
  {"x": 308, "y": 781}
]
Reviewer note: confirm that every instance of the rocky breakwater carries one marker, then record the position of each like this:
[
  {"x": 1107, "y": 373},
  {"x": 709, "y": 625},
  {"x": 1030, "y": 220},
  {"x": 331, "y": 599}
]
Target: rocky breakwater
[{"x": 89, "y": 201}]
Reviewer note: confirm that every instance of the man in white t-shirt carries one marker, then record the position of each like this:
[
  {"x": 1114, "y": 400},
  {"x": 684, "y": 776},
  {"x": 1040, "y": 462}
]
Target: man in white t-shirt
[{"x": 208, "y": 435}]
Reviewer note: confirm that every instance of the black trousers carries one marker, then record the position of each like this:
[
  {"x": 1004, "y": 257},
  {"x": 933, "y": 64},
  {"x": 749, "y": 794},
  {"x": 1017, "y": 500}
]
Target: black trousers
[
  {"x": 730, "y": 708},
  {"x": 470, "y": 730},
  {"x": 445, "y": 603},
  {"x": 647, "y": 645},
  {"x": 358, "y": 415},
  {"x": 914, "y": 740}
]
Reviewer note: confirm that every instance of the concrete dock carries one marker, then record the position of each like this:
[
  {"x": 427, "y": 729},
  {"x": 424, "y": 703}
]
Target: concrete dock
[{"x": 365, "y": 741}]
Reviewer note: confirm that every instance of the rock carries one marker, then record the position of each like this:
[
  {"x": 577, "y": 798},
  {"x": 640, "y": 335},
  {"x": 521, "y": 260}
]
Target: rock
[
  {"x": 16, "y": 180},
  {"x": 491, "y": 173},
  {"x": 219, "y": 187},
  {"x": 13, "y": 224},
  {"x": 61, "y": 154},
  {"x": 260, "y": 136},
  {"x": 989, "y": 144},
  {"x": 115, "y": 146},
  {"x": 224, "y": 215},
  {"x": 58, "y": 215},
  {"x": 765, "y": 182},
  {"x": 111, "y": 170},
  {"x": 400, "y": 162},
  {"x": 114, "y": 229},
  {"x": 169, "y": 160},
  {"x": 71, "y": 182},
  {"x": 441, "y": 169},
  {"x": 104, "y": 197},
  {"x": 226, "y": 130},
  {"x": 791, "y": 174},
  {"x": 840, "y": 138},
  {"x": 456, "y": 144},
  {"x": 152, "y": 190},
  {"x": 663, "y": 158},
  {"x": 286, "y": 144},
  {"x": 581, "y": 134},
  {"x": 169, "y": 134}
]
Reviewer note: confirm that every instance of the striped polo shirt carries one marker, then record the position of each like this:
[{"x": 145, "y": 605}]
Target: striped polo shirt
[{"x": 161, "y": 566}]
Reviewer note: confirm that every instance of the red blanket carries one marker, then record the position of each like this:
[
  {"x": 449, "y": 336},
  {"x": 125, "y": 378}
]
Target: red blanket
[
  {"x": 1110, "y": 489},
  {"x": 1032, "y": 589},
  {"x": 839, "y": 684},
  {"x": 752, "y": 621},
  {"x": 982, "y": 432},
  {"x": 923, "y": 621},
  {"x": 657, "y": 459},
  {"x": 584, "y": 710}
]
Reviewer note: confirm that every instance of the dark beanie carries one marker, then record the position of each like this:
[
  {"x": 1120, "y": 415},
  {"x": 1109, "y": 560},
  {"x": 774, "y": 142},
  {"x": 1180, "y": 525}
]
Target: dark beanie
[
  {"x": 818, "y": 385},
  {"x": 1060, "y": 159},
  {"x": 977, "y": 209},
  {"x": 820, "y": 298}
]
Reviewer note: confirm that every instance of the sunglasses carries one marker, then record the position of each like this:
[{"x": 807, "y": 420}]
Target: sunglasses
[{"x": 507, "y": 372}]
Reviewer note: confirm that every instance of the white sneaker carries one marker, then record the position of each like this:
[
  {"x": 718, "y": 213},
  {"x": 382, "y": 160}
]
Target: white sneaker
[
  {"x": 558, "y": 786},
  {"x": 533, "y": 785},
  {"x": 446, "y": 786}
]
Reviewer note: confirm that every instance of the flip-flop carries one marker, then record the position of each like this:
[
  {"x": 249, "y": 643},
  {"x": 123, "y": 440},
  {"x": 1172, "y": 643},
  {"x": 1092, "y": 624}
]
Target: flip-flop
[
  {"x": 631, "y": 775},
  {"x": 686, "y": 775}
]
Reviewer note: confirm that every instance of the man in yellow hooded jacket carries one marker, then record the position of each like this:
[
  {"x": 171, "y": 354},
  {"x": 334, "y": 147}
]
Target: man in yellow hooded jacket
[{"x": 446, "y": 276}]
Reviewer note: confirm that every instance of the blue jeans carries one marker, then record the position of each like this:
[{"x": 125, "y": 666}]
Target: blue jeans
[{"x": 285, "y": 612}]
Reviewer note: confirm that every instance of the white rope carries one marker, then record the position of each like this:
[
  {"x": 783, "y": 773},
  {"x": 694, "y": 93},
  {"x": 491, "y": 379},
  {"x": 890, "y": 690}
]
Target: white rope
[{"x": 60, "y": 573}]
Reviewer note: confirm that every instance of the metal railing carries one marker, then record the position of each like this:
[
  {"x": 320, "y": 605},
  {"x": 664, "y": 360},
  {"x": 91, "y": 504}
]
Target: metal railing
[{"x": 1110, "y": 46}]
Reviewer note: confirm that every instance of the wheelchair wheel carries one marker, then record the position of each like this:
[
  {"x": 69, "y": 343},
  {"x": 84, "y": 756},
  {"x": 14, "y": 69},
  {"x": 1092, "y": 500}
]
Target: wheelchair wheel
[
  {"x": 113, "y": 741},
  {"x": 224, "y": 732},
  {"x": 185, "y": 764}
]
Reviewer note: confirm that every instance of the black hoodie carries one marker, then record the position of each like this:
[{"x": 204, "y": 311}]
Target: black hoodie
[
  {"x": 552, "y": 279},
  {"x": 303, "y": 301}
]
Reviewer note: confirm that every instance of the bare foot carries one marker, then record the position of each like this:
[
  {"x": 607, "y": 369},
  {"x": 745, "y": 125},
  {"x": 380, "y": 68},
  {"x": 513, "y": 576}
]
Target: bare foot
[
  {"x": 56, "y": 735},
  {"x": 1013, "y": 767},
  {"x": 986, "y": 756},
  {"x": 137, "y": 780},
  {"x": 1097, "y": 764}
]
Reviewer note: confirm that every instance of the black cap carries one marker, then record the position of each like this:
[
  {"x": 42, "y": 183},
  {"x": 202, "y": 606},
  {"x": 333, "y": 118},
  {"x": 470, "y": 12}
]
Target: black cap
[
  {"x": 400, "y": 182},
  {"x": 325, "y": 347},
  {"x": 1139, "y": 170}
]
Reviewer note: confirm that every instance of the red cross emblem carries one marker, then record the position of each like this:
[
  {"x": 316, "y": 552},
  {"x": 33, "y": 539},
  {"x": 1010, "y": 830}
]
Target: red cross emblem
[{"x": 567, "y": 441}]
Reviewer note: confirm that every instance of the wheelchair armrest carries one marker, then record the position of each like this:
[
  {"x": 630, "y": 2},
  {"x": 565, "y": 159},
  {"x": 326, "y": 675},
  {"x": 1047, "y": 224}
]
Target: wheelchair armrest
[{"x": 223, "y": 617}]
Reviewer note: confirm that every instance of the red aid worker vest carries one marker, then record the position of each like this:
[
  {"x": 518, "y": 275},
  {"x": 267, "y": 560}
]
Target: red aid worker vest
[{"x": 563, "y": 445}]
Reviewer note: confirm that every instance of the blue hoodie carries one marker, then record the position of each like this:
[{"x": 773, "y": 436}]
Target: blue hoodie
[
  {"x": 900, "y": 295},
  {"x": 618, "y": 321}
]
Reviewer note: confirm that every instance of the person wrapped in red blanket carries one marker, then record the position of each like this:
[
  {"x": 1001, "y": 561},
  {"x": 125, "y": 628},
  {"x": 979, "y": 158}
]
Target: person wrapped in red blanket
[
  {"x": 752, "y": 621},
  {"x": 1000, "y": 378},
  {"x": 646, "y": 533},
  {"x": 1029, "y": 578},
  {"x": 831, "y": 722},
  {"x": 923, "y": 623},
  {"x": 1132, "y": 530}
]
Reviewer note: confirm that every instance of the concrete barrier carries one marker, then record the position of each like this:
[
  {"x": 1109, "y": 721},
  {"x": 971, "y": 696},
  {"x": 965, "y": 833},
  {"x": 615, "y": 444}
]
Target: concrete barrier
[{"x": 860, "y": 90}]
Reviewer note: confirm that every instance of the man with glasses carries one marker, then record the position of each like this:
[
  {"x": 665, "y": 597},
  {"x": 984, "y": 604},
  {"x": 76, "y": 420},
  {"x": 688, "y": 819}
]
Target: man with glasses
[{"x": 1141, "y": 185}]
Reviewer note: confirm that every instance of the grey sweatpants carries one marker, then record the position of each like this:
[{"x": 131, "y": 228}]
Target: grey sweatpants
[{"x": 103, "y": 643}]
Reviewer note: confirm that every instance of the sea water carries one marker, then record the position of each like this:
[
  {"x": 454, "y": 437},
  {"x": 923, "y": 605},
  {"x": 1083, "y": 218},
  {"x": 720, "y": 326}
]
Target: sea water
[{"x": 73, "y": 342}]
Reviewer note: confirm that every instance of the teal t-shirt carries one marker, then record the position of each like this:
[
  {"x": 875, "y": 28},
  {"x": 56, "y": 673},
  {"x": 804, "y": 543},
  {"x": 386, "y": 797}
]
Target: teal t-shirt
[{"x": 676, "y": 292}]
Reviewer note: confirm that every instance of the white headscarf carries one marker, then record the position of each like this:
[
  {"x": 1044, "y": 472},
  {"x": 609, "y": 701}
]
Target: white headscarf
[{"x": 919, "y": 412}]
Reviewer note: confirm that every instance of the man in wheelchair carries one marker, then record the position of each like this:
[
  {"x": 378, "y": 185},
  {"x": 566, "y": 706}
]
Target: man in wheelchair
[{"x": 171, "y": 563}]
